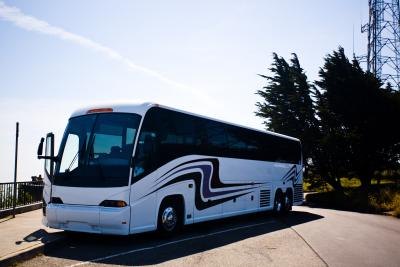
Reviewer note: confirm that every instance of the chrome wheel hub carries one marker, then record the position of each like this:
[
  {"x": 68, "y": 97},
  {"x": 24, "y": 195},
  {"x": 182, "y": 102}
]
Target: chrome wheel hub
[
  {"x": 169, "y": 218},
  {"x": 278, "y": 206}
]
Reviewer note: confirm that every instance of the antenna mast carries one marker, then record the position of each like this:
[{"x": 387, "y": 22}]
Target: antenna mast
[{"x": 383, "y": 29}]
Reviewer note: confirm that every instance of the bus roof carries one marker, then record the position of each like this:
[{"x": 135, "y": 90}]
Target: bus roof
[{"x": 142, "y": 108}]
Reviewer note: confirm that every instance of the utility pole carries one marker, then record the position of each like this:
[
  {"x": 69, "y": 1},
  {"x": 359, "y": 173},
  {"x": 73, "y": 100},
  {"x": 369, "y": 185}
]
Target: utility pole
[{"x": 15, "y": 167}]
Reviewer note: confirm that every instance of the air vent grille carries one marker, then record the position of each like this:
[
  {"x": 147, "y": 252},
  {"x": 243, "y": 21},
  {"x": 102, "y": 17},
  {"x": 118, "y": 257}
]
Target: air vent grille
[
  {"x": 298, "y": 193},
  {"x": 265, "y": 198}
]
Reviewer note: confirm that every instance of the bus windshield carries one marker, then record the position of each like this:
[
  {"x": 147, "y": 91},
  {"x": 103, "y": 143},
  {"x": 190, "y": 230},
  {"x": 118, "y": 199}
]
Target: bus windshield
[{"x": 96, "y": 150}]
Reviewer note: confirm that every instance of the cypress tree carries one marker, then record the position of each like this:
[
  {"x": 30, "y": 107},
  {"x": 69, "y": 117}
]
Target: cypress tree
[{"x": 287, "y": 106}]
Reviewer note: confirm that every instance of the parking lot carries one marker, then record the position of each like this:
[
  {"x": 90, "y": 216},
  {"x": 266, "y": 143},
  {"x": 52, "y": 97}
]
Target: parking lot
[
  {"x": 306, "y": 237},
  {"x": 257, "y": 239}
]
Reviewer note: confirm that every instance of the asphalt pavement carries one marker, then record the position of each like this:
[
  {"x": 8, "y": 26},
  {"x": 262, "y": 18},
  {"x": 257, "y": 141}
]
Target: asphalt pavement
[
  {"x": 345, "y": 238},
  {"x": 306, "y": 237}
]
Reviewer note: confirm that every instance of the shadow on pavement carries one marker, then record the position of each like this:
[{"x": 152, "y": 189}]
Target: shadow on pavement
[
  {"x": 151, "y": 248},
  {"x": 39, "y": 235}
]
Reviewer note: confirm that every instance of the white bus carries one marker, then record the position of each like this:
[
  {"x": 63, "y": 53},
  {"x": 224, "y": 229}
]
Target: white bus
[{"x": 127, "y": 169}]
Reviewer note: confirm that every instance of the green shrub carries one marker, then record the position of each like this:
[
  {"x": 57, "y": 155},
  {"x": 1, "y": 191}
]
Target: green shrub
[
  {"x": 385, "y": 198},
  {"x": 396, "y": 205}
]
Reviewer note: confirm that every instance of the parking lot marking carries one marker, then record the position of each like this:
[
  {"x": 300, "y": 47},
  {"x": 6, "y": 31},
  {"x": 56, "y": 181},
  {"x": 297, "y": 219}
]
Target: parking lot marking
[
  {"x": 169, "y": 243},
  {"x": 111, "y": 256}
]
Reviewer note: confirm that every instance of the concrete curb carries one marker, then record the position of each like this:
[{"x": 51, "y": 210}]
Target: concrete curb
[{"x": 30, "y": 252}]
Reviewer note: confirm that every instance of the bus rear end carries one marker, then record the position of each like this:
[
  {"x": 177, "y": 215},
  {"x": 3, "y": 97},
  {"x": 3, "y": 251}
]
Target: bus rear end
[{"x": 87, "y": 183}]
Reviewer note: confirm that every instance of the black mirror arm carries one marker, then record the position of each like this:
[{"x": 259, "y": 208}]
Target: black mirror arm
[{"x": 55, "y": 159}]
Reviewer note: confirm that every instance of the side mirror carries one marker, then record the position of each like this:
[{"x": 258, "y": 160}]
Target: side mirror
[
  {"x": 40, "y": 147},
  {"x": 49, "y": 149}
]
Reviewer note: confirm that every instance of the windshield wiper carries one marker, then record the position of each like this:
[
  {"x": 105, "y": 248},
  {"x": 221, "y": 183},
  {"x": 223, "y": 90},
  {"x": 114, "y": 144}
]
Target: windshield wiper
[
  {"x": 91, "y": 149},
  {"x": 76, "y": 156}
]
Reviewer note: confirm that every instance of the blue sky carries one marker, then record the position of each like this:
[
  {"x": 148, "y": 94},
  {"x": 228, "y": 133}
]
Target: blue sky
[{"x": 201, "y": 56}]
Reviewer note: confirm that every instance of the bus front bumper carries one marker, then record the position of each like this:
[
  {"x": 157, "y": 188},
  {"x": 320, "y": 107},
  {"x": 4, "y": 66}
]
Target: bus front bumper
[{"x": 88, "y": 219}]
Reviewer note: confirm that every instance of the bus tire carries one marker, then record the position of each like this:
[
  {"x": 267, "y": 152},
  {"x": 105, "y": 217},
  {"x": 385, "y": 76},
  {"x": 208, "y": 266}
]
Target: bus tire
[
  {"x": 170, "y": 216},
  {"x": 288, "y": 200},
  {"x": 279, "y": 202}
]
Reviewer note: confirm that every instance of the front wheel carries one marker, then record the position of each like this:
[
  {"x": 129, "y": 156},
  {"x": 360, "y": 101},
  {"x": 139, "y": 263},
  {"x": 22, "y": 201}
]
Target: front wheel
[
  {"x": 288, "y": 201},
  {"x": 279, "y": 202},
  {"x": 168, "y": 218}
]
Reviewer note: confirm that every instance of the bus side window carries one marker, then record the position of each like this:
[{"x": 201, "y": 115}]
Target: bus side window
[
  {"x": 211, "y": 138},
  {"x": 146, "y": 155}
]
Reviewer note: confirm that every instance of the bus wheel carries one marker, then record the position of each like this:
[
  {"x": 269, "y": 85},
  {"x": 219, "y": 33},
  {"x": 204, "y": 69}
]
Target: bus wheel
[
  {"x": 279, "y": 202},
  {"x": 288, "y": 201},
  {"x": 169, "y": 217}
]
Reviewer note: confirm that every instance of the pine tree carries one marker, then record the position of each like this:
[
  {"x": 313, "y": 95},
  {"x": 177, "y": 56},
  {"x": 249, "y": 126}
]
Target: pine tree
[
  {"x": 348, "y": 127},
  {"x": 353, "y": 112},
  {"x": 287, "y": 106}
]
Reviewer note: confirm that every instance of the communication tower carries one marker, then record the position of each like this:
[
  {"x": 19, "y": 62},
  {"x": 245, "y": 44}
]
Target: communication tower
[{"x": 383, "y": 29}]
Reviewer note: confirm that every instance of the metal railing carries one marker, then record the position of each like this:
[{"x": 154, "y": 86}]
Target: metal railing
[{"x": 27, "y": 193}]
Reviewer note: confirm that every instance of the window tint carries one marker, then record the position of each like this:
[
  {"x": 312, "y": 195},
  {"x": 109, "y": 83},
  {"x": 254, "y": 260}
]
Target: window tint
[
  {"x": 211, "y": 136},
  {"x": 146, "y": 158},
  {"x": 130, "y": 136},
  {"x": 71, "y": 152},
  {"x": 243, "y": 143},
  {"x": 96, "y": 150},
  {"x": 105, "y": 143},
  {"x": 167, "y": 135}
]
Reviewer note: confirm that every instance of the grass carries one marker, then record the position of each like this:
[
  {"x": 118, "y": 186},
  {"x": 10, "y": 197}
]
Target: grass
[{"x": 382, "y": 198}]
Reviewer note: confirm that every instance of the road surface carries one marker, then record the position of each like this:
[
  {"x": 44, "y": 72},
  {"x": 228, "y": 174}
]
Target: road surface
[{"x": 306, "y": 237}]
